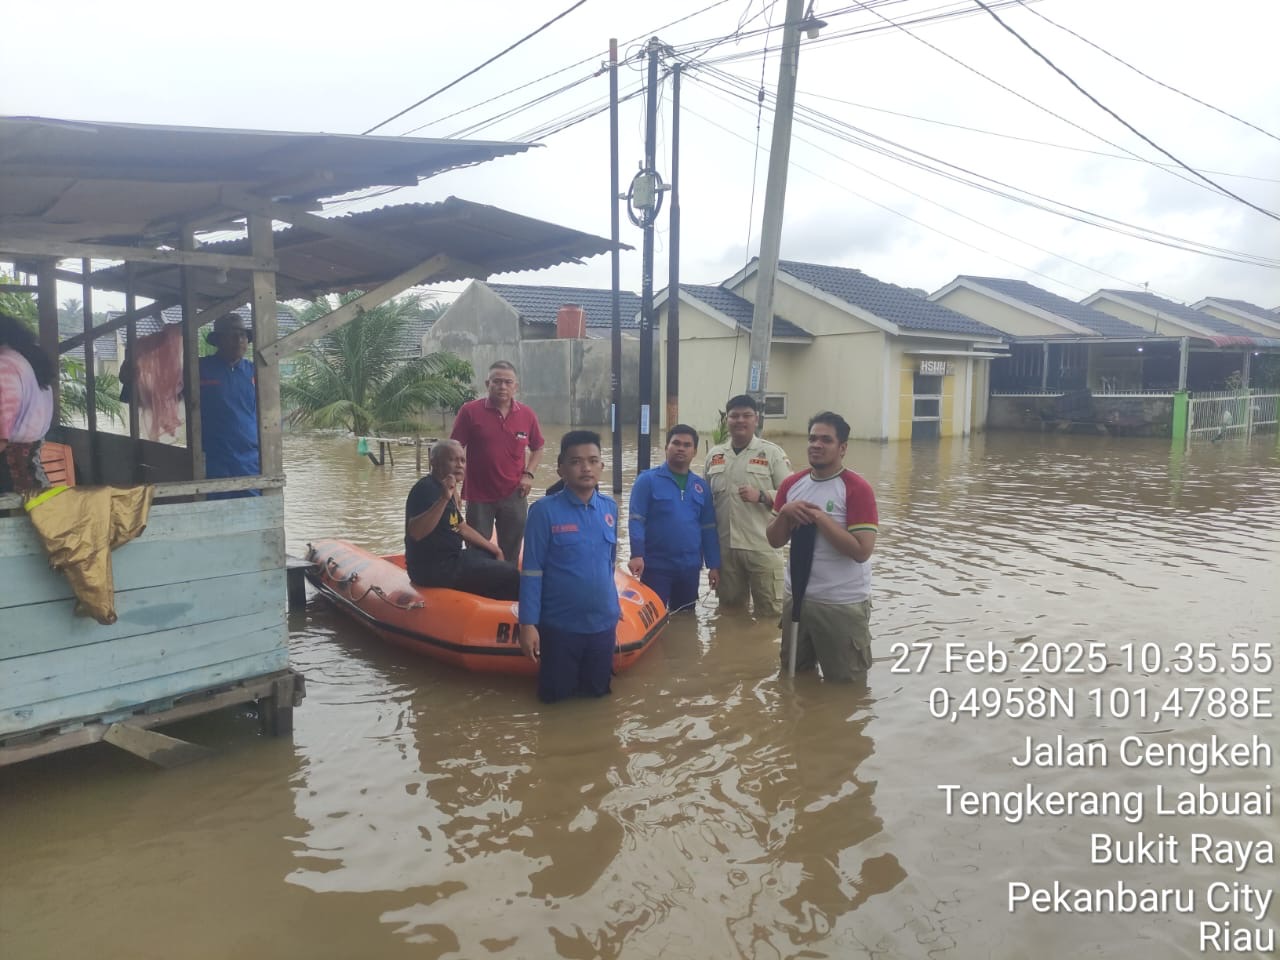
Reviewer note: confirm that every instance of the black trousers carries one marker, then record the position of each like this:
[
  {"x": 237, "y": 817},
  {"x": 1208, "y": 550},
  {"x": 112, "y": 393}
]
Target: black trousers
[{"x": 475, "y": 572}]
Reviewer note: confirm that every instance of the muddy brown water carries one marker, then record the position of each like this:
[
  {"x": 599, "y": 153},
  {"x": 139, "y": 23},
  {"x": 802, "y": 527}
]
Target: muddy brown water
[{"x": 708, "y": 808}]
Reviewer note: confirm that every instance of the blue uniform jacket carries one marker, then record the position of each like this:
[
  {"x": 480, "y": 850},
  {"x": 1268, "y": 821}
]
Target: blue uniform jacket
[
  {"x": 570, "y": 549},
  {"x": 673, "y": 529},
  {"x": 229, "y": 418}
]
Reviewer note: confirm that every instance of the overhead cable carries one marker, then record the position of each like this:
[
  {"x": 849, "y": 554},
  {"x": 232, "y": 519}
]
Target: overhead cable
[
  {"x": 453, "y": 83},
  {"x": 1130, "y": 127},
  {"x": 1141, "y": 73}
]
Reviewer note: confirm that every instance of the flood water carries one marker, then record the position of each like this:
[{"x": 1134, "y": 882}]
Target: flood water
[{"x": 708, "y": 808}]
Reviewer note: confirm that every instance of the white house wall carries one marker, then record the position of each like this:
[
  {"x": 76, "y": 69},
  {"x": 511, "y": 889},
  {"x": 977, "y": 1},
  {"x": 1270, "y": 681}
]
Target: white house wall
[{"x": 707, "y": 374}]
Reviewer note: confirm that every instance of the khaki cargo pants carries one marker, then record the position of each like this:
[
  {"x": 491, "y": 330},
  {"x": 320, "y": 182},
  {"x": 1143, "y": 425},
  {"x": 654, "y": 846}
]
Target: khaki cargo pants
[
  {"x": 757, "y": 572},
  {"x": 835, "y": 636}
]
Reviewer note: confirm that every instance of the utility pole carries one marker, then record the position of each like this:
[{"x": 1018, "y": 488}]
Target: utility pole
[
  {"x": 616, "y": 411},
  {"x": 646, "y": 284},
  {"x": 774, "y": 200},
  {"x": 673, "y": 270}
]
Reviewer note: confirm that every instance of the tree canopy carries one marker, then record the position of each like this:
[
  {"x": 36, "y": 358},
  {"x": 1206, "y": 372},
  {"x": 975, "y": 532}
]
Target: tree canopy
[{"x": 365, "y": 376}]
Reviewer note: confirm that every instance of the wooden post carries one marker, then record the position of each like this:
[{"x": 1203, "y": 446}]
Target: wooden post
[
  {"x": 417, "y": 453},
  {"x": 191, "y": 364},
  {"x": 90, "y": 364},
  {"x": 47, "y": 305},
  {"x": 130, "y": 352},
  {"x": 262, "y": 247}
]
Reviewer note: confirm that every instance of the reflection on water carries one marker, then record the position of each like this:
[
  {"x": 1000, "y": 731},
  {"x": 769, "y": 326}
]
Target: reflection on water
[{"x": 708, "y": 808}]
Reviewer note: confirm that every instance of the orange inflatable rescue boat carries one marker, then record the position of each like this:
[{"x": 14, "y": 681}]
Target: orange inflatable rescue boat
[{"x": 463, "y": 629}]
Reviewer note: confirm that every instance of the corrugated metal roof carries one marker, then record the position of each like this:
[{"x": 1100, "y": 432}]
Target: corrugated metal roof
[
  {"x": 83, "y": 181},
  {"x": 480, "y": 240},
  {"x": 907, "y": 310},
  {"x": 1100, "y": 323},
  {"x": 739, "y": 310},
  {"x": 538, "y": 304},
  {"x": 1222, "y": 332}
]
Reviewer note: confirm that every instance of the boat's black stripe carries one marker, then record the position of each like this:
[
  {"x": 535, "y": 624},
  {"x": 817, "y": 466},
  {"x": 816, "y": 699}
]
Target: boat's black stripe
[{"x": 431, "y": 641}]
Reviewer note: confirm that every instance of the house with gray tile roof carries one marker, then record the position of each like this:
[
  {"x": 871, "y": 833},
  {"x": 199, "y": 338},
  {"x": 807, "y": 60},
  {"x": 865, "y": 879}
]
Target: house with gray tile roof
[
  {"x": 1243, "y": 313},
  {"x": 539, "y": 305},
  {"x": 893, "y": 363},
  {"x": 567, "y": 380},
  {"x": 1034, "y": 310},
  {"x": 1160, "y": 315}
]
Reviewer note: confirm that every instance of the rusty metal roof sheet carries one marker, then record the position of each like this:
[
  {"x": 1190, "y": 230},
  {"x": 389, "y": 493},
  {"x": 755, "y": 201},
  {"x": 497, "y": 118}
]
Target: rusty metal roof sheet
[
  {"x": 479, "y": 240},
  {"x": 87, "y": 181}
]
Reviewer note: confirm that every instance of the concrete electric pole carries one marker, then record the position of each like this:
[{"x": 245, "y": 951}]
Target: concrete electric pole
[{"x": 774, "y": 201}]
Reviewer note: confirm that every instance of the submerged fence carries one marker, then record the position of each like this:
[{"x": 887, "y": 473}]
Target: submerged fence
[{"x": 1231, "y": 415}]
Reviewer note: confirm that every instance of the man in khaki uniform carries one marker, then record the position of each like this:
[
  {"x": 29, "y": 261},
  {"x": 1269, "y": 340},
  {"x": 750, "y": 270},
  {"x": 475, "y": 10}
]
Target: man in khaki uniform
[{"x": 745, "y": 474}]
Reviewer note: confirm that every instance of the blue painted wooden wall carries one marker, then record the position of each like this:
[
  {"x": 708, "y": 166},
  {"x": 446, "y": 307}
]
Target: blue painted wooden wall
[{"x": 200, "y": 601}]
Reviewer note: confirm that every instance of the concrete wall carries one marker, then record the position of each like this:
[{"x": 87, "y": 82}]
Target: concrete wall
[
  {"x": 709, "y": 374},
  {"x": 1002, "y": 316},
  {"x": 1126, "y": 416},
  {"x": 566, "y": 382}
]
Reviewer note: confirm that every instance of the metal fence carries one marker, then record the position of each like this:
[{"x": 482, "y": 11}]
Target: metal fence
[{"x": 1231, "y": 415}]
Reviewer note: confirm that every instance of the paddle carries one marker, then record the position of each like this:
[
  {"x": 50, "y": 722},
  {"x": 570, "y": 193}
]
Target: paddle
[{"x": 803, "y": 540}]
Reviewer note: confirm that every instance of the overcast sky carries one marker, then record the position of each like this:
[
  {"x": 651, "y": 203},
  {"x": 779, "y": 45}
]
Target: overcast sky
[{"x": 342, "y": 68}]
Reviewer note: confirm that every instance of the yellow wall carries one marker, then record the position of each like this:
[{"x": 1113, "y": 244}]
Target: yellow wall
[
  {"x": 708, "y": 374},
  {"x": 1003, "y": 317}
]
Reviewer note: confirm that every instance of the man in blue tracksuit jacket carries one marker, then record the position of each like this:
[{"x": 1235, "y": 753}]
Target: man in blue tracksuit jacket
[
  {"x": 673, "y": 525},
  {"x": 568, "y": 601}
]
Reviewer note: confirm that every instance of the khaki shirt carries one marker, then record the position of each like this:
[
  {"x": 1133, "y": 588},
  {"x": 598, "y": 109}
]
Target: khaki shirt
[{"x": 761, "y": 464}]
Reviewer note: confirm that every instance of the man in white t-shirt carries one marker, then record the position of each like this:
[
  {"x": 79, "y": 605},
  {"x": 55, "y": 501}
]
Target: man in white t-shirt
[{"x": 835, "y": 615}]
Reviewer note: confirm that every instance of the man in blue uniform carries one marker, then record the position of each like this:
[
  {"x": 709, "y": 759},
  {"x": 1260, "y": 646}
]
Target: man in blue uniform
[
  {"x": 672, "y": 524},
  {"x": 229, "y": 405},
  {"x": 568, "y": 602}
]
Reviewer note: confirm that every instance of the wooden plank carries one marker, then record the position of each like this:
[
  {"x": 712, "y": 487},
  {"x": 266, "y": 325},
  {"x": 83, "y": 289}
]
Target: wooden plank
[
  {"x": 272, "y": 352},
  {"x": 47, "y": 305},
  {"x": 104, "y": 666},
  {"x": 191, "y": 705},
  {"x": 38, "y": 716},
  {"x": 209, "y": 313},
  {"x": 38, "y": 628},
  {"x": 267, "y": 375},
  {"x": 298, "y": 215},
  {"x": 67, "y": 250},
  {"x": 182, "y": 488},
  {"x": 191, "y": 364},
  {"x": 150, "y": 563},
  {"x": 168, "y": 521},
  {"x": 157, "y": 748}
]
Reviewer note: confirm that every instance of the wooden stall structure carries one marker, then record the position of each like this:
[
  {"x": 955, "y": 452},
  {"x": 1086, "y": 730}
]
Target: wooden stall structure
[{"x": 200, "y": 595}]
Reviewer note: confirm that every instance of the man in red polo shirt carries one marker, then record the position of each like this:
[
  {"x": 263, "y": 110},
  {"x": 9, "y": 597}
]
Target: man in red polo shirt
[{"x": 503, "y": 444}]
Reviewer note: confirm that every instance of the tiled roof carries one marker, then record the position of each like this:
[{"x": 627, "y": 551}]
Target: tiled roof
[
  {"x": 909, "y": 311},
  {"x": 1244, "y": 306},
  {"x": 538, "y": 304},
  {"x": 1206, "y": 321},
  {"x": 104, "y": 348},
  {"x": 739, "y": 310},
  {"x": 1100, "y": 323}
]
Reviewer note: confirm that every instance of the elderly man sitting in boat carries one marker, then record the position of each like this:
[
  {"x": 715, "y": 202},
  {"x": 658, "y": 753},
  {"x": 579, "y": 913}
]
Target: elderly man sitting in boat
[{"x": 434, "y": 534}]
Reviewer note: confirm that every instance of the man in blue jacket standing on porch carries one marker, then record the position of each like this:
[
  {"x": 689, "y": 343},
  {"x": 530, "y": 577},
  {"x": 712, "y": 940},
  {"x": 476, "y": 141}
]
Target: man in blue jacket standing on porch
[{"x": 672, "y": 525}]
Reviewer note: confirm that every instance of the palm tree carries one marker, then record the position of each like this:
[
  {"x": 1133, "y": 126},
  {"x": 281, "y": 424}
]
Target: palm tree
[{"x": 357, "y": 377}]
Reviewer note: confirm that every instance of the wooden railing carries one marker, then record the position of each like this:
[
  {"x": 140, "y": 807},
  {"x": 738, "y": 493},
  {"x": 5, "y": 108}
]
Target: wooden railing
[{"x": 183, "y": 488}]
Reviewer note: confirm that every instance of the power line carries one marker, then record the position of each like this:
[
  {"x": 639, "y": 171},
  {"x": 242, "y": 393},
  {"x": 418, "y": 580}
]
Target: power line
[
  {"x": 1141, "y": 73},
  {"x": 1021, "y": 96},
  {"x": 891, "y": 150},
  {"x": 1130, "y": 127},
  {"x": 546, "y": 76},
  {"x": 1031, "y": 140},
  {"x": 454, "y": 83}
]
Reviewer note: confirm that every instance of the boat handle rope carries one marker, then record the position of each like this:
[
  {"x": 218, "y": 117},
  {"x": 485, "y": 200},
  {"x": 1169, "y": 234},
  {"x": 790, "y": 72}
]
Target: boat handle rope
[{"x": 332, "y": 564}]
